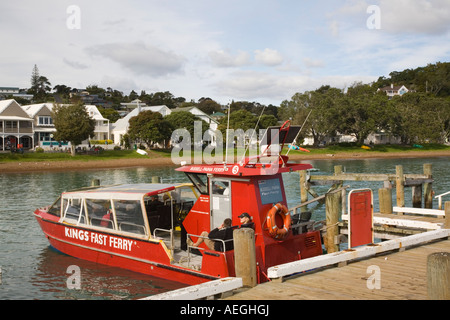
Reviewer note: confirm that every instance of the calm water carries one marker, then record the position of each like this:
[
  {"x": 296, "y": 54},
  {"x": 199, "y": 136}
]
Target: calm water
[{"x": 32, "y": 270}]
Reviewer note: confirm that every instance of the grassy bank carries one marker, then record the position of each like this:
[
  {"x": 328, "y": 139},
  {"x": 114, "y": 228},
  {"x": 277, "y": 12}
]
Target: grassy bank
[
  {"x": 377, "y": 149},
  {"x": 380, "y": 150},
  {"x": 60, "y": 156}
]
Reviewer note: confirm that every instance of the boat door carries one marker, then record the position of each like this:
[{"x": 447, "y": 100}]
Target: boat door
[{"x": 220, "y": 202}]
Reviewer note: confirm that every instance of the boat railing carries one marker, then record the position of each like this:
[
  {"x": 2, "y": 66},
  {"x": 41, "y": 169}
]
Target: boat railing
[
  {"x": 439, "y": 197},
  {"x": 189, "y": 247},
  {"x": 171, "y": 236}
]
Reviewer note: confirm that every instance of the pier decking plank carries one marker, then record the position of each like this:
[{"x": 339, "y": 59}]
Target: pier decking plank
[{"x": 402, "y": 274}]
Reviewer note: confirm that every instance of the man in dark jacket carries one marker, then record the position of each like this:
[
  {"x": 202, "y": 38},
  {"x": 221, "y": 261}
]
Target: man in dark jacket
[{"x": 223, "y": 232}]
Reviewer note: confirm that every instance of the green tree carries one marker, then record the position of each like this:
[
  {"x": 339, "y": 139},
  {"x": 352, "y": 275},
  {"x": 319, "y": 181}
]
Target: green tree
[
  {"x": 321, "y": 105},
  {"x": 40, "y": 86},
  {"x": 72, "y": 123},
  {"x": 150, "y": 128},
  {"x": 362, "y": 112},
  {"x": 421, "y": 118},
  {"x": 185, "y": 120},
  {"x": 209, "y": 106},
  {"x": 111, "y": 114}
]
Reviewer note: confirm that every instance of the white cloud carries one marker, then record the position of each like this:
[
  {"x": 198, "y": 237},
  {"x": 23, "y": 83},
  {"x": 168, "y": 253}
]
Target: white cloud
[
  {"x": 418, "y": 16},
  {"x": 140, "y": 58},
  {"x": 224, "y": 59},
  {"x": 312, "y": 63},
  {"x": 75, "y": 64},
  {"x": 268, "y": 57}
]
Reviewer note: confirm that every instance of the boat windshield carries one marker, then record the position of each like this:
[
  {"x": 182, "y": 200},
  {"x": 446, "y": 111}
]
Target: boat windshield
[
  {"x": 55, "y": 208},
  {"x": 200, "y": 181}
]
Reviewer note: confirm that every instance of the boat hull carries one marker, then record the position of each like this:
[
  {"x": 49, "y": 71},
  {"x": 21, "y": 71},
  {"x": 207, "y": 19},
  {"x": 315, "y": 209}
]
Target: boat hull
[{"x": 143, "y": 256}]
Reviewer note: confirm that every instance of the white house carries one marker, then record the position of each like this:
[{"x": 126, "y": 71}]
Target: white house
[
  {"x": 392, "y": 90},
  {"x": 16, "y": 126},
  {"x": 120, "y": 127},
  {"x": 43, "y": 123},
  {"x": 210, "y": 134},
  {"x": 102, "y": 131}
]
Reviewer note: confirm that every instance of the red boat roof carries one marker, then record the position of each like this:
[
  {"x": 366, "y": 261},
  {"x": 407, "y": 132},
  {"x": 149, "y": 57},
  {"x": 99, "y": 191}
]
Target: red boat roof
[{"x": 247, "y": 168}]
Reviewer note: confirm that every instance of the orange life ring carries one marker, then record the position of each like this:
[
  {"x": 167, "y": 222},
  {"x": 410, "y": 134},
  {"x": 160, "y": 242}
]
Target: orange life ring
[{"x": 275, "y": 231}]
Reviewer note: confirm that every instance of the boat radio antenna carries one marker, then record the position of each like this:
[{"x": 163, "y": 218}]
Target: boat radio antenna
[
  {"x": 251, "y": 137},
  {"x": 226, "y": 141},
  {"x": 295, "y": 140}
]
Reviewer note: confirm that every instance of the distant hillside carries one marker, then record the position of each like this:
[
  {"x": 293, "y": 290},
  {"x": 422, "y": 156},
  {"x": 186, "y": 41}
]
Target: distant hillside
[{"x": 434, "y": 78}]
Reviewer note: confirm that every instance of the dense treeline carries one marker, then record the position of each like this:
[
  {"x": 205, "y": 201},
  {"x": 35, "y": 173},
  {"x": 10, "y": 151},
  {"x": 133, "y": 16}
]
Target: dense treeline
[
  {"x": 415, "y": 117},
  {"x": 422, "y": 115}
]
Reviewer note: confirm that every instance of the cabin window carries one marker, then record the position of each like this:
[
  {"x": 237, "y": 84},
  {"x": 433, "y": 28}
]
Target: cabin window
[
  {"x": 73, "y": 210},
  {"x": 220, "y": 187},
  {"x": 129, "y": 216},
  {"x": 100, "y": 213},
  {"x": 200, "y": 181}
]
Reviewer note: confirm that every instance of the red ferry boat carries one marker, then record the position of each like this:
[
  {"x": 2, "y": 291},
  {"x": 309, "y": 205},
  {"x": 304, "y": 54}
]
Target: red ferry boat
[{"x": 145, "y": 227}]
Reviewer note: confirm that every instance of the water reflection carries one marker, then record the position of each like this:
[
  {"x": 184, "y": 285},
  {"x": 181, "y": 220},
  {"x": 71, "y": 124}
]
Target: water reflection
[{"x": 97, "y": 281}]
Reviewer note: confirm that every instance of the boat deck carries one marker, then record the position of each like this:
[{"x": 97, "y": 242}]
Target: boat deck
[{"x": 403, "y": 276}]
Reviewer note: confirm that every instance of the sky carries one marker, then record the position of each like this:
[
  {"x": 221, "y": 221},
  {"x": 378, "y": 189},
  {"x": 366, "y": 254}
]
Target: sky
[{"x": 246, "y": 50}]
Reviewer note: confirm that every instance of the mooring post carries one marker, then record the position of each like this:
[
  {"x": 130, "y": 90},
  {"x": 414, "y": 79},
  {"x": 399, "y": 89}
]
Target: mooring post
[
  {"x": 332, "y": 208},
  {"x": 245, "y": 256},
  {"x": 400, "y": 186},
  {"x": 303, "y": 191},
  {"x": 438, "y": 276},
  {"x": 428, "y": 187},
  {"x": 95, "y": 182},
  {"x": 385, "y": 200},
  {"x": 156, "y": 179},
  {"x": 417, "y": 196},
  {"x": 447, "y": 215}
]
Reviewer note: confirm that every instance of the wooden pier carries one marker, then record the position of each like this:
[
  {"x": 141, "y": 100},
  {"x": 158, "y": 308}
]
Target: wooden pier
[{"x": 401, "y": 275}]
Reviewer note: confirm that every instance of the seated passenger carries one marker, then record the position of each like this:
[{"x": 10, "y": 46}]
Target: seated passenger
[
  {"x": 106, "y": 219},
  {"x": 223, "y": 232},
  {"x": 154, "y": 203},
  {"x": 246, "y": 221}
]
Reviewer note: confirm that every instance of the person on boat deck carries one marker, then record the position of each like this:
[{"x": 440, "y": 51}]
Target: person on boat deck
[
  {"x": 246, "y": 221},
  {"x": 223, "y": 232},
  {"x": 154, "y": 203}
]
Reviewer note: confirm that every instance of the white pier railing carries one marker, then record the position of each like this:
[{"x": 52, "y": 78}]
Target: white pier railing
[{"x": 439, "y": 197}]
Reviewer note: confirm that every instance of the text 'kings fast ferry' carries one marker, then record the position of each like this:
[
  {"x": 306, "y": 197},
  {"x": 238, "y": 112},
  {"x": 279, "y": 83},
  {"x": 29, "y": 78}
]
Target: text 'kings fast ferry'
[{"x": 151, "y": 228}]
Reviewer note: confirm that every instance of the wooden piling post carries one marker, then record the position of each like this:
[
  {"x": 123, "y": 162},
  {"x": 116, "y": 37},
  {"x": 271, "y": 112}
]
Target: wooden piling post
[
  {"x": 332, "y": 208},
  {"x": 400, "y": 186},
  {"x": 427, "y": 187},
  {"x": 245, "y": 256},
  {"x": 303, "y": 191},
  {"x": 95, "y": 182},
  {"x": 385, "y": 200},
  {"x": 438, "y": 276},
  {"x": 156, "y": 179},
  {"x": 447, "y": 215},
  {"x": 417, "y": 196}
]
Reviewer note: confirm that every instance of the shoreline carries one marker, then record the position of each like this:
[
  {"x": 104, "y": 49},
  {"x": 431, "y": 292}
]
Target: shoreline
[{"x": 46, "y": 166}]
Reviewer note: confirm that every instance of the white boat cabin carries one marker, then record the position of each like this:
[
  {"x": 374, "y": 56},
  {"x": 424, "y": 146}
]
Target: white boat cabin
[{"x": 137, "y": 210}]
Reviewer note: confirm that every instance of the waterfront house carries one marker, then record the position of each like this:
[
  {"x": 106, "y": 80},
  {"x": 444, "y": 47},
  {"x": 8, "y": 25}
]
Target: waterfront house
[
  {"x": 210, "y": 134},
  {"x": 120, "y": 127},
  {"x": 42, "y": 123},
  {"x": 16, "y": 126},
  {"x": 102, "y": 127}
]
